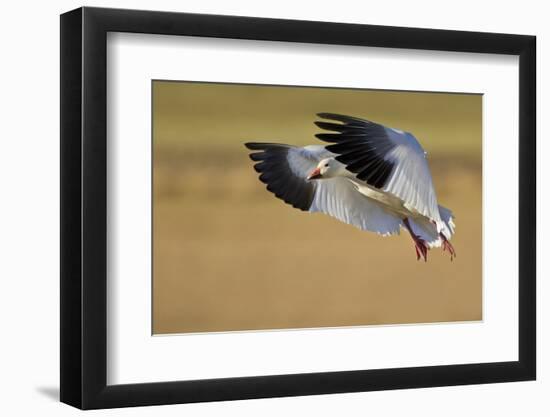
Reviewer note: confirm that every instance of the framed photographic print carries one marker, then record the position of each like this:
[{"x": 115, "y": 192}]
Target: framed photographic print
[{"x": 258, "y": 208}]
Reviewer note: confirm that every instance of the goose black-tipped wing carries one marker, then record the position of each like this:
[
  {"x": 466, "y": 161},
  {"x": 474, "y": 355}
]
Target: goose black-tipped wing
[
  {"x": 361, "y": 145},
  {"x": 387, "y": 159},
  {"x": 284, "y": 170}
]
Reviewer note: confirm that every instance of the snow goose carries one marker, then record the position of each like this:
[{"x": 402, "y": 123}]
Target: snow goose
[{"x": 370, "y": 176}]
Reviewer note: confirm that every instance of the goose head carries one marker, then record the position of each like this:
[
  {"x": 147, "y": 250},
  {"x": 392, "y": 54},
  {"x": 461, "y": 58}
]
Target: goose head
[{"x": 326, "y": 168}]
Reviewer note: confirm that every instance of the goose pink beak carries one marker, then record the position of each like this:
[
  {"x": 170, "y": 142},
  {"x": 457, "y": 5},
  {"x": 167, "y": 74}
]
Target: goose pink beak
[{"x": 315, "y": 174}]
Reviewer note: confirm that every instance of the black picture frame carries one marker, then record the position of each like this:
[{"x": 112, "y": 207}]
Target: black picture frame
[{"x": 84, "y": 207}]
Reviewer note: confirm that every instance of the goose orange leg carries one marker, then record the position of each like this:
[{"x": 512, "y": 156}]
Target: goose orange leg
[
  {"x": 447, "y": 246},
  {"x": 420, "y": 245}
]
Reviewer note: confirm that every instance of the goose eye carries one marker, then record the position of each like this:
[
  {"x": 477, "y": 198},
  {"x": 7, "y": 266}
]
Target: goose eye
[{"x": 326, "y": 165}]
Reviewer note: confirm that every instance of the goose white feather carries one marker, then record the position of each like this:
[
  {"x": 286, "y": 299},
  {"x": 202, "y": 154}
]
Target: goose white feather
[{"x": 411, "y": 180}]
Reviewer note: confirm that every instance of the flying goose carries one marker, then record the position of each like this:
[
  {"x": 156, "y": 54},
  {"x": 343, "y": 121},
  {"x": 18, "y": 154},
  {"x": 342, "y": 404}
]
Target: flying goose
[{"x": 373, "y": 177}]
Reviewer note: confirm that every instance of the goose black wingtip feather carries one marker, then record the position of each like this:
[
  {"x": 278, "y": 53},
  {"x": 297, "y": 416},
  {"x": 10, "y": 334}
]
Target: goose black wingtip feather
[
  {"x": 334, "y": 127},
  {"x": 254, "y": 146},
  {"x": 273, "y": 166}
]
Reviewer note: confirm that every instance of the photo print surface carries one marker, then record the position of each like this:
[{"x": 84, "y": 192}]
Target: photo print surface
[{"x": 286, "y": 207}]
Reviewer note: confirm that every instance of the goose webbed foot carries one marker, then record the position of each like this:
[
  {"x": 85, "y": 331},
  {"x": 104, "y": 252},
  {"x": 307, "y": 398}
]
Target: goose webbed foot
[
  {"x": 447, "y": 246},
  {"x": 420, "y": 245}
]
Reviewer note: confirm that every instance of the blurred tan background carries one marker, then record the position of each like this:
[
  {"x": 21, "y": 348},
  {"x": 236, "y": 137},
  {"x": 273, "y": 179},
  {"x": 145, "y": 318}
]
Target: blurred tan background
[{"x": 228, "y": 255}]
